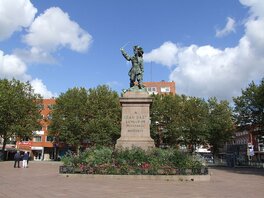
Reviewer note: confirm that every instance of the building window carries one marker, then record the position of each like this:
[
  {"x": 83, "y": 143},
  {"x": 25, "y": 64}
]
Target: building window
[
  {"x": 51, "y": 106},
  {"x": 10, "y": 141},
  {"x": 152, "y": 89},
  {"x": 38, "y": 133},
  {"x": 37, "y": 139},
  {"x": 49, "y": 116},
  {"x": 165, "y": 89},
  {"x": 25, "y": 139},
  {"x": 49, "y": 138}
]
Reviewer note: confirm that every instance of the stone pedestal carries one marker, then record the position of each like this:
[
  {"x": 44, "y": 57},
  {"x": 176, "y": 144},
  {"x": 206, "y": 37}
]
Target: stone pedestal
[{"x": 135, "y": 127}]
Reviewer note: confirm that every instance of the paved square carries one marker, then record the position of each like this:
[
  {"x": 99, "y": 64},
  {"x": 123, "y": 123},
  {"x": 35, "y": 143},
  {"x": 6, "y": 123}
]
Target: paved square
[{"x": 42, "y": 179}]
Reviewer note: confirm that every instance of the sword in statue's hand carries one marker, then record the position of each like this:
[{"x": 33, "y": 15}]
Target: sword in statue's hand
[{"x": 122, "y": 48}]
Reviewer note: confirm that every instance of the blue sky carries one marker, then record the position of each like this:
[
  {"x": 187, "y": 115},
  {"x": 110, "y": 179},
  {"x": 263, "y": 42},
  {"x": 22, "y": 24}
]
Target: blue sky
[{"x": 208, "y": 47}]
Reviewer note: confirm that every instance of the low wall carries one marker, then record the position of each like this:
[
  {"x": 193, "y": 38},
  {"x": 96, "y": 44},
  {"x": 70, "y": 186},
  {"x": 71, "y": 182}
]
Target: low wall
[
  {"x": 180, "y": 178},
  {"x": 201, "y": 174}
]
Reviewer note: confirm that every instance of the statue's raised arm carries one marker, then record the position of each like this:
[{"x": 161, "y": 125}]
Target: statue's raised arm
[
  {"x": 125, "y": 54},
  {"x": 137, "y": 68}
]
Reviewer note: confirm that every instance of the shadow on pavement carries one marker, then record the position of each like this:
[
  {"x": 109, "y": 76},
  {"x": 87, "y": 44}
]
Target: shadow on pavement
[{"x": 241, "y": 170}]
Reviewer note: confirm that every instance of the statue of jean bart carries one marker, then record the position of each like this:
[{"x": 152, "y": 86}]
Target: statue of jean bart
[{"x": 137, "y": 69}]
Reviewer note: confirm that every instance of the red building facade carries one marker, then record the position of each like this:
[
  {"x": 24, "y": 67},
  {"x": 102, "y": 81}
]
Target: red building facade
[
  {"x": 40, "y": 146},
  {"x": 161, "y": 87}
]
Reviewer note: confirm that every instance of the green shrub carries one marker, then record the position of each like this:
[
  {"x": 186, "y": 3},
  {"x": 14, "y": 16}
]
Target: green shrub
[
  {"x": 99, "y": 156},
  {"x": 155, "y": 161},
  {"x": 132, "y": 157},
  {"x": 71, "y": 159}
]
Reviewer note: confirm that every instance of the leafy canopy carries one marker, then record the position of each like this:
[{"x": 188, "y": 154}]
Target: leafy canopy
[
  {"x": 249, "y": 108},
  {"x": 19, "y": 110},
  {"x": 92, "y": 115}
]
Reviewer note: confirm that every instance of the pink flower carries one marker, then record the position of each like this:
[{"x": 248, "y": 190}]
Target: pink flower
[{"x": 145, "y": 165}]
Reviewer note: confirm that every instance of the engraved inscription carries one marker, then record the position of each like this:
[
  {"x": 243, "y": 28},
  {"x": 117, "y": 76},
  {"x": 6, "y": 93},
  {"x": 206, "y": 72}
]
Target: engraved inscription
[{"x": 135, "y": 123}]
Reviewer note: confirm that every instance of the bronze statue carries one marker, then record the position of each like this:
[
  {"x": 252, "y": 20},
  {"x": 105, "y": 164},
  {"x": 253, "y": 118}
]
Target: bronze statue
[{"x": 137, "y": 69}]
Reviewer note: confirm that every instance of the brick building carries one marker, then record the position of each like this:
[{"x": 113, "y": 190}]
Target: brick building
[
  {"x": 41, "y": 144},
  {"x": 247, "y": 144},
  {"x": 161, "y": 87}
]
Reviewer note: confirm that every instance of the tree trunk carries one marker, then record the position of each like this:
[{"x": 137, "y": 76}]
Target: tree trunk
[{"x": 3, "y": 148}]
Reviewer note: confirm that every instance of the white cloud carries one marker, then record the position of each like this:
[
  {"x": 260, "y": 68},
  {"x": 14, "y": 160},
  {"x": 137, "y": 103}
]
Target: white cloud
[
  {"x": 12, "y": 67},
  {"x": 40, "y": 88},
  {"x": 53, "y": 30},
  {"x": 230, "y": 27},
  {"x": 166, "y": 54},
  {"x": 46, "y": 34},
  {"x": 206, "y": 71},
  {"x": 14, "y": 15},
  {"x": 35, "y": 56},
  {"x": 255, "y": 35},
  {"x": 256, "y": 7}
]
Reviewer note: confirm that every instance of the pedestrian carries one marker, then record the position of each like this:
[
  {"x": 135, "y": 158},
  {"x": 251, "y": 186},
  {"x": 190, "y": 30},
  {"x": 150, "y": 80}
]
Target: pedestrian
[
  {"x": 17, "y": 159},
  {"x": 28, "y": 158},
  {"x": 25, "y": 159}
]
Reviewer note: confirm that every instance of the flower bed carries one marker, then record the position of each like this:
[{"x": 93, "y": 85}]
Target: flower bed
[{"x": 132, "y": 162}]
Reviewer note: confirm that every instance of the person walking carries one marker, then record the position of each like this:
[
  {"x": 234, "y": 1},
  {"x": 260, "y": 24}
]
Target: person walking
[
  {"x": 28, "y": 157},
  {"x": 17, "y": 159},
  {"x": 25, "y": 160}
]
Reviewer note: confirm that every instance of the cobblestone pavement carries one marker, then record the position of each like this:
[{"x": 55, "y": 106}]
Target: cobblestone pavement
[{"x": 41, "y": 179}]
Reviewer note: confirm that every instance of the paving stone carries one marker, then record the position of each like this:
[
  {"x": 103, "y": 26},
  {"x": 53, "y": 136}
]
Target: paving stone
[{"x": 42, "y": 179}]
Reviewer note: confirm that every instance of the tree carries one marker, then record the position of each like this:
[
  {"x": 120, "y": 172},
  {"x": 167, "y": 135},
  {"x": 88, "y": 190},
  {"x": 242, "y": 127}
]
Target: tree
[
  {"x": 246, "y": 106},
  {"x": 193, "y": 121},
  {"x": 165, "y": 114},
  {"x": 19, "y": 111},
  {"x": 81, "y": 114},
  {"x": 70, "y": 116},
  {"x": 104, "y": 109},
  {"x": 220, "y": 124},
  {"x": 260, "y": 105},
  {"x": 249, "y": 107}
]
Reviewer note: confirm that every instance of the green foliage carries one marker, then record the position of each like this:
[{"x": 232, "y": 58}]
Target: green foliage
[
  {"x": 19, "y": 111},
  {"x": 104, "y": 116},
  {"x": 193, "y": 125},
  {"x": 249, "y": 107},
  {"x": 104, "y": 160},
  {"x": 70, "y": 116},
  {"x": 220, "y": 123},
  {"x": 71, "y": 159},
  {"x": 165, "y": 119},
  {"x": 190, "y": 121},
  {"x": 133, "y": 157},
  {"x": 99, "y": 156},
  {"x": 179, "y": 120},
  {"x": 93, "y": 115}
]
